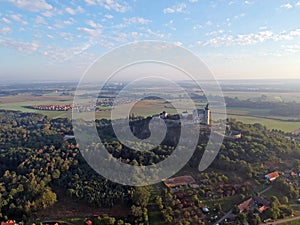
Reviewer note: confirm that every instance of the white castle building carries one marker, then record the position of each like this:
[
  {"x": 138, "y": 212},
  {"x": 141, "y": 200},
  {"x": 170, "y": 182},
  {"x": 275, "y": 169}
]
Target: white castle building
[{"x": 202, "y": 115}]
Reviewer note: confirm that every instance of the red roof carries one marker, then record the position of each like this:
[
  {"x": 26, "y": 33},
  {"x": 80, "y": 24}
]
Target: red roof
[
  {"x": 244, "y": 205},
  {"x": 88, "y": 222},
  {"x": 263, "y": 208},
  {"x": 293, "y": 174},
  {"x": 9, "y": 222},
  {"x": 273, "y": 175}
]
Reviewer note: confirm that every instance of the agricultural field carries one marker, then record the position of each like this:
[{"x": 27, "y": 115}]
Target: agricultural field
[{"x": 148, "y": 107}]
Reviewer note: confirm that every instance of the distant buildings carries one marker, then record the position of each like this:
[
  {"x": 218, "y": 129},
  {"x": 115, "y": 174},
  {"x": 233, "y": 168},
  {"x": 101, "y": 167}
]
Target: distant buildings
[{"x": 202, "y": 115}]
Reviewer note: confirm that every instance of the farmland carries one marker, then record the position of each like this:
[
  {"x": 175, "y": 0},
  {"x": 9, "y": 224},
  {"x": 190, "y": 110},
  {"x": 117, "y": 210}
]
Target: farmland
[{"x": 63, "y": 94}]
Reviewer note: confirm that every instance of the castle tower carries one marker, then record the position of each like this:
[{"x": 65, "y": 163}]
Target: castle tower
[{"x": 207, "y": 115}]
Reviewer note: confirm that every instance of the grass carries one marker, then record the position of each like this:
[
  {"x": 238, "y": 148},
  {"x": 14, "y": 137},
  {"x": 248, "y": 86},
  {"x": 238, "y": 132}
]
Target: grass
[
  {"x": 273, "y": 192},
  {"x": 227, "y": 203},
  {"x": 269, "y": 123},
  {"x": 295, "y": 222}
]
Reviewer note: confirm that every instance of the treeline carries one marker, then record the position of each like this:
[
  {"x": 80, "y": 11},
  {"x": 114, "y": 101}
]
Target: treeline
[{"x": 274, "y": 108}]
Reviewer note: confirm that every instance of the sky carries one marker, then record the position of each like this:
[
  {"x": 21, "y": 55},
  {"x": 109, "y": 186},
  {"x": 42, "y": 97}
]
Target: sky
[{"x": 236, "y": 39}]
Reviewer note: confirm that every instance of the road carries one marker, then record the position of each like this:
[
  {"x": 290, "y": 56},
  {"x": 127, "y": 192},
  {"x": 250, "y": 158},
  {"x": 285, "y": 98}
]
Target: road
[
  {"x": 229, "y": 213},
  {"x": 283, "y": 221}
]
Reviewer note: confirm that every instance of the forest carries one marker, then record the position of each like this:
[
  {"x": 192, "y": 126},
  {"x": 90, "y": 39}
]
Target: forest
[
  {"x": 34, "y": 159},
  {"x": 274, "y": 108}
]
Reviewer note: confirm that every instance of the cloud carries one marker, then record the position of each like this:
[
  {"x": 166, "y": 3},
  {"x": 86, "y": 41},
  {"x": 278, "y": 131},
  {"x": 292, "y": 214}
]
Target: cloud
[
  {"x": 136, "y": 20},
  {"x": 286, "y": 6},
  {"x": 90, "y": 2},
  {"x": 32, "y": 5},
  {"x": 5, "y": 20},
  {"x": 70, "y": 11},
  {"x": 291, "y": 48},
  {"x": 115, "y": 5},
  {"x": 40, "y": 20},
  {"x": 178, "y": 43},
  {"x": 68, "y": 22},
  {"x": 108, "y": 16},
  {"x": 209, "y": 23},
  {"x": 92, "y": 23},
  {"x": 25, "y": 47},
  {"x": 252, "y": 38},
  {"x": 89, "y": 31},
  {"x": 248, "y": 3},
  {"x": 18, "y": 18},
  {"x": 298, "y": 4},
  {"x": 193, "y": 1},
  {"x": 179, "y": 8},
  {"x": 155, "y": 34},
  {"x": 74, "y": 11},
  {"x": 5, "y": 30}
]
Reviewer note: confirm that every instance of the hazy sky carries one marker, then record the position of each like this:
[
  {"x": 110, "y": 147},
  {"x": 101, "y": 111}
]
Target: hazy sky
[{"x": 57, "y": 40}]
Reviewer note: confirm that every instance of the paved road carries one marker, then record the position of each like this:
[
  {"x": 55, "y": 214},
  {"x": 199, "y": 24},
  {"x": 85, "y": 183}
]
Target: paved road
[
  {"x": 228, "y": 214},
  {"x": 265, "y": 190},
  {"x": 283, "y": 221}
]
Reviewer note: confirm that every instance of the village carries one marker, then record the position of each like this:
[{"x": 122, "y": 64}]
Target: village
[{"x": 184, "y": 193}]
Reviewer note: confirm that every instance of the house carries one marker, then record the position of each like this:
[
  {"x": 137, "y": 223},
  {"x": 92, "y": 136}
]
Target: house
[
  {"x": 254, "y": 203},
  {"x": 272, "y": 176},
  {"x": 245, "y": 205},
  {"x": 9, "y": 222},
  {"x": 293, "y": 174},
  {"x": 88, "y": 222}
]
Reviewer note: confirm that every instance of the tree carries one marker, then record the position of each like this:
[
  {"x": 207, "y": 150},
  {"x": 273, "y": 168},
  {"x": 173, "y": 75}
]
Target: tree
[
  {"x": 141, "y": 196},
  {"x": 47, "y": 199}
]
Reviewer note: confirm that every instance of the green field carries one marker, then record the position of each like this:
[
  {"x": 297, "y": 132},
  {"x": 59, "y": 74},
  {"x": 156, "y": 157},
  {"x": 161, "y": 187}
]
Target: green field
[{"x": 269, "y": 123}]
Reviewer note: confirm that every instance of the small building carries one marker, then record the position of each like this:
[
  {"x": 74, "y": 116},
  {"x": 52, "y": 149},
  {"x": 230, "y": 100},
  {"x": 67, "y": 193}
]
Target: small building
[
  {"x": 233, "y": 134},
  {"x": 185, "y": 115},
  {"x": 272, "y": 176},
  {"x": 163, "y": 115}
]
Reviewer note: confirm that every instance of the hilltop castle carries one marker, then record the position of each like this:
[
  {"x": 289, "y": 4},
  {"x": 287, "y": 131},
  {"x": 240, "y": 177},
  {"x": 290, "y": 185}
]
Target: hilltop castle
[{"x": 202, "y": 116}]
